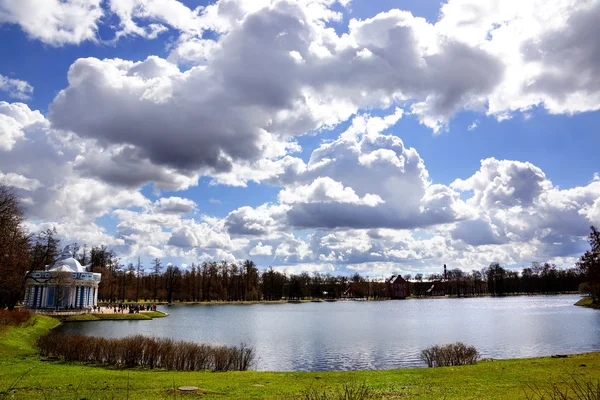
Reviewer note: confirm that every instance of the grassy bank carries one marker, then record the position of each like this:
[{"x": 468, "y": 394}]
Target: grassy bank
[
  {"x": 32, "y": 378},
  {"x": 587, "y": 302},
  {"x": 112, "y": 317}
]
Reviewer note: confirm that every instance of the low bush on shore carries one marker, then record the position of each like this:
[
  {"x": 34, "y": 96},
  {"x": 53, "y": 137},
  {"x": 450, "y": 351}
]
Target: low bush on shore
[
  {"x": 14, "y": 317},
  {"x": 146, "y": 352},
  {"x": 450, "y": 354}
]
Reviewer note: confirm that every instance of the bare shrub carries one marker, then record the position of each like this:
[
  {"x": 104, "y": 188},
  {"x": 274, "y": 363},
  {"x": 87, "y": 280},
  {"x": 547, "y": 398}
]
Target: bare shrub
[
  {"x": 450, "y": 354},
  {"x": 574, "y": 389},
  {"x": 14, "y": 317},
  {"x": 244, "y": 357},
  {"x": 146, "y": 352},
  {"x": 347, "y": 391},
  {"x": 221, "y": 358}
]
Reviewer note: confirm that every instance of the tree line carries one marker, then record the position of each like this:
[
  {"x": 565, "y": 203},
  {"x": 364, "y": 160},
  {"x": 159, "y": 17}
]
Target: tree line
[
  {"x": 224, "y": 281},
  {"x": 496, "y": 280}
]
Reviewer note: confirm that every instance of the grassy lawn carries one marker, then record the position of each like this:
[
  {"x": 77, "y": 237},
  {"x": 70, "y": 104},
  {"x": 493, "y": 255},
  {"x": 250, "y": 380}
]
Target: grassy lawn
[
  {"x": 111, "y": 317},
  {"x": 31, "y": 378}
]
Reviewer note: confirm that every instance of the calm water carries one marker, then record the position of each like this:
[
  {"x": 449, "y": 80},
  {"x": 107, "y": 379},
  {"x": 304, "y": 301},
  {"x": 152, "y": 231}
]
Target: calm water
[{"x": 374, "y": 335}]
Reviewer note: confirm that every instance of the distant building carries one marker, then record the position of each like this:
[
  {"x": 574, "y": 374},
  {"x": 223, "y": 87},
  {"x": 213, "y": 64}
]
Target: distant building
[
  {"x": 356, "y": 290},
  {"x": 398, "y": 287},
  {"x": 436, "y": 288},
  {"x": 367, "y": 289},
  {"x": 65, "y": 284}
]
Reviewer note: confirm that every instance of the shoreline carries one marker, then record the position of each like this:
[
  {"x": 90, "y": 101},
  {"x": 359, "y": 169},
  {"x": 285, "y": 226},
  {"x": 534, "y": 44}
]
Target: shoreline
[
  {"x": 37, "y": 378},
  {"x": 149, "y": 315},
  {"x": 320, "y": 300}
]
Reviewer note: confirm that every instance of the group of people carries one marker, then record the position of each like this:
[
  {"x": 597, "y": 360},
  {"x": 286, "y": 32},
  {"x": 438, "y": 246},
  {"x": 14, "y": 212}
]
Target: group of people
[
  {"x": 136, "y": 308},
  {"x": 121, "y": 307},
  {"x": 98, "y": 309}
]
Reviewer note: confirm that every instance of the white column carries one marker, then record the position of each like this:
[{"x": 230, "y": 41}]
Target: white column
[
  {"x": 38, "y": 296},
  {"x": 27, "y": 295},
  {"x": 96, "y": 296},
  {"x": 86, "y": 299},
  {"x": 44, "y": 293},
  {"x": 73, "y": 294}
]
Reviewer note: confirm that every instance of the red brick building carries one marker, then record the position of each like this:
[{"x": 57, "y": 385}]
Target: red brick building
[{"x": 398, "y": 287}]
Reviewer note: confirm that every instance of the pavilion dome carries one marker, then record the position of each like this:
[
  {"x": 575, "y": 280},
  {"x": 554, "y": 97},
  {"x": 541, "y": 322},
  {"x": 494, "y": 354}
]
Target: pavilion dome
[{"x": 67, "y": 265}]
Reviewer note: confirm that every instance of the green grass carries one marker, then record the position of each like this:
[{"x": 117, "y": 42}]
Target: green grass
[
  {"x": 587, "y": 302},
  {"x": 112, "y": 317},
  {"x": 20, "y": 341},
  {"x": 505, "y": 379},
  {"x": 155, "y": 314}
]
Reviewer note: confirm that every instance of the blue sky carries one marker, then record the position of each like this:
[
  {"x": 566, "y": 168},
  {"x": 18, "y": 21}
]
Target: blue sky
[{"x": 233, "y": 132}]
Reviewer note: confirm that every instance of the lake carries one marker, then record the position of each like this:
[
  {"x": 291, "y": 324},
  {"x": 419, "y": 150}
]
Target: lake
[{"x": 348, "y": 335}]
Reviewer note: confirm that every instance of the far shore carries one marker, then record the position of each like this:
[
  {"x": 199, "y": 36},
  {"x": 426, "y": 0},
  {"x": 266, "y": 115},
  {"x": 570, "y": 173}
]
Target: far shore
[
  {"x": 321, "y": 300},
  {"x": 110, "y": 315}
]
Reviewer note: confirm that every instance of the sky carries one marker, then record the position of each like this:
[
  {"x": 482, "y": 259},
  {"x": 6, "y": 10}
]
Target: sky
[{"x": 332, "y": 136}]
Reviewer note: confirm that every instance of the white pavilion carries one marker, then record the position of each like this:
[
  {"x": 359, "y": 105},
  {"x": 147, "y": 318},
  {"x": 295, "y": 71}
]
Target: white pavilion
[{"x": 65, "y": 284}]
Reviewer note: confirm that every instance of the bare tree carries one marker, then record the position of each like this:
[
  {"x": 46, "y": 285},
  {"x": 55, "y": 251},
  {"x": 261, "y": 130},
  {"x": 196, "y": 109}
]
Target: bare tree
[
  {"x": 84, "y": 255},
  {"x": 156, "y": 270},
  {"x": 138, "y": 277},
  {"x": 172, "y": 281},
  {"x": 589, "y": 265},
  {"x": 45, "y": 249},
  {"x": 14, "y": 248}
]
